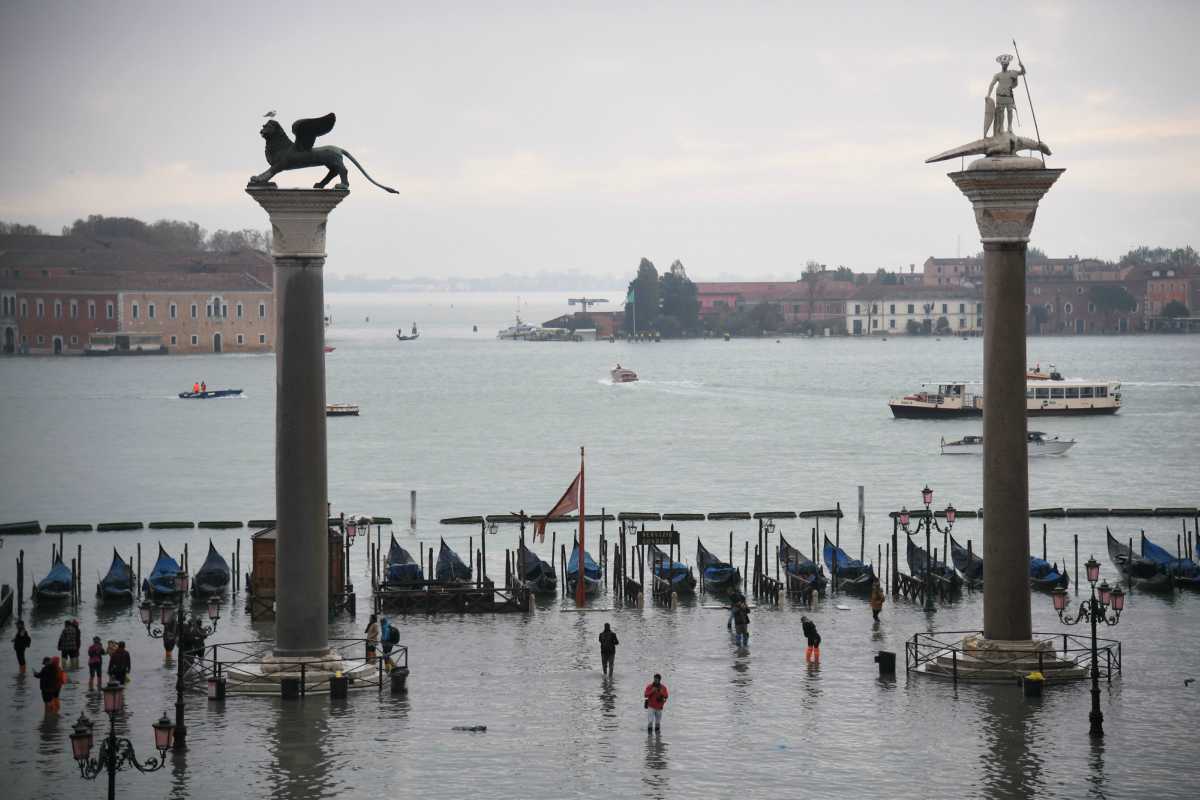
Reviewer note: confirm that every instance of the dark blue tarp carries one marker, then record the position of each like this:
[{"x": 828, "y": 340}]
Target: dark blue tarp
[
  {"x": 58, "y": 580},
  {"x": 796, "y": 562},
  {"x": 590, "y": 568},
  {"x": 1160, "y": 555},
  {"x": 450, "y": 567},
  {"x": 162, "y": 577},
  {"x": 119, "y": 580},
  {"x": 847, "y": 567},
  {"x": 401, "y": 568},
  {"x": 214, "y": 572},
  {"x": 535, "y": 567},
  {"x": 715, "y": 570}
]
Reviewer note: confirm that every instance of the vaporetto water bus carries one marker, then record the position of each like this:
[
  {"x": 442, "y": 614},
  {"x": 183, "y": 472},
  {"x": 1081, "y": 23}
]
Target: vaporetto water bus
[{"x": 1042, "y": 398}]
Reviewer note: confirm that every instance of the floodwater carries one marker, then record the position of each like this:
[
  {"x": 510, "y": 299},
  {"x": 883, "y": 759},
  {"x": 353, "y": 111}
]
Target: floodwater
[{"x": 479, "y": 426}]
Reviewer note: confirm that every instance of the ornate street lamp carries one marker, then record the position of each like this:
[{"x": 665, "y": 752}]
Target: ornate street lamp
[
  {"x": 1094, "y": 610},
  {"x": 116, "y": 753},
  {"x": 168, "y": 616},
  {"x": 930, "y": 522}
]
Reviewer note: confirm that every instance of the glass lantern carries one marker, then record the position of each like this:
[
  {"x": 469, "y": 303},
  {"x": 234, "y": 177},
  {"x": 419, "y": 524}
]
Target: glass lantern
[
  {"x": 951, "y": 514},
  {"x": 904, "y": 517},
  {"x": 1105, "y": 593},
  {"x": 164, "y": 733},
  {"x": 1118, "y": 599},
  {"x": 1093, "y": 569},
  {"x": 927, "y": 495},
  {"x": 114, "y": 697},
  {"x": 214, "y": 609},
  {"x": 81, "y": 739},
  {"x": 167, "y": 615},
  {"x": 1059, "y": 596},
  {"x": 181, "y": 583},
  {"x": 145, "y": 612}
]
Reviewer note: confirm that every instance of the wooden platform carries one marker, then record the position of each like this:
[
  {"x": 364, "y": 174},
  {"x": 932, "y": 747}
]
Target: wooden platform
[{"x": 432, "y": 597}]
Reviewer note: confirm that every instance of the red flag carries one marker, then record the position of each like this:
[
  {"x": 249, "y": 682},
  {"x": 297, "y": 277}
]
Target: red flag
[{"x": 567, "y": 503}]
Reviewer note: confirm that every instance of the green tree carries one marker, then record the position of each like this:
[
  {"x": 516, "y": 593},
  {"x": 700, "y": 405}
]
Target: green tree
[
  {"x": 16, "y": 228},
  {"x": 1175, "y": 309},
  {"x": 645, "y": 307},
  {"x": 942, "y": 326},
  {"x": 679, "y": 302},
  {"x": 1113, "y": 298},
  {"x": 223, "y": 241}
]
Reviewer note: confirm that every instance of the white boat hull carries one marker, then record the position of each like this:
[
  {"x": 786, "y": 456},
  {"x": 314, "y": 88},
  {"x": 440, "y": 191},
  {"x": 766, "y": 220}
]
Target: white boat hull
[{"x": 1049, "y": 448}]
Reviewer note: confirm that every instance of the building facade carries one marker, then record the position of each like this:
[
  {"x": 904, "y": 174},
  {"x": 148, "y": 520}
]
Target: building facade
[{"x": 889, "y": 310}]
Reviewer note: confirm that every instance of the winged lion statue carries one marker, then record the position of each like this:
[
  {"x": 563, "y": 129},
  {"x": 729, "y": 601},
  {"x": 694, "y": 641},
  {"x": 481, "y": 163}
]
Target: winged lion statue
[{"x": 284, "y": 154}]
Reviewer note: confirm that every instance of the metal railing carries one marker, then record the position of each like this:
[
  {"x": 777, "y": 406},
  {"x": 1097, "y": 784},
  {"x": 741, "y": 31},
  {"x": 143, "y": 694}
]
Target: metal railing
[
  {"x": 1073, "y": 659},
  {"x": 241, "y": 665}
]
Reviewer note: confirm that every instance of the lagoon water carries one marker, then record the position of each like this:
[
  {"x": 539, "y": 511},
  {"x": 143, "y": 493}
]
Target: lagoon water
[{"x": 479, "y": 426}]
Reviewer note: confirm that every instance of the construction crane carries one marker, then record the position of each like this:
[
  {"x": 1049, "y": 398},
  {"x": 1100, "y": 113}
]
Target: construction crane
[{"x": 585, "y": 302}]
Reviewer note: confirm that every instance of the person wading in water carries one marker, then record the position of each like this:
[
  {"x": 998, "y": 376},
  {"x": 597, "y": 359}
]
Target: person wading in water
[
  {"x": 812, "y": 653},
  {"x": 656, "y": 697},
  {"x": 608, "y": 649}
]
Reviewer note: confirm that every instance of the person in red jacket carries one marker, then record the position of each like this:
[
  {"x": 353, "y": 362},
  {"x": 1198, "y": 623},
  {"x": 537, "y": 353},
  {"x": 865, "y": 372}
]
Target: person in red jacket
[{"x": 656, "y": 698}]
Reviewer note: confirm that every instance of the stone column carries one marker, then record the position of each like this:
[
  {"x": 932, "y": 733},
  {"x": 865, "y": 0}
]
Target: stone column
[
  {"x": 298, "y": 218},
  {"x": 1005, "y": 191}
]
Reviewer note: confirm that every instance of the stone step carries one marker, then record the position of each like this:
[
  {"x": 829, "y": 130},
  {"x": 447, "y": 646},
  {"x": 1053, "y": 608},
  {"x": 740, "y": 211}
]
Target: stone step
[{"x": 1023, "y": 664}]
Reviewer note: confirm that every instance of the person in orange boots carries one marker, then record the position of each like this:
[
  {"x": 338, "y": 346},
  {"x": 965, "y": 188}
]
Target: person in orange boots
[
  {"x": 812, "y": 654},
  {"x": 49, "y": 682}
]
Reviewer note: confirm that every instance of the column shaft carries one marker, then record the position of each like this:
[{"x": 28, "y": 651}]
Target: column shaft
[
  {"x": 301, "y": 514},
  {"x": 1006, "y": 611}
]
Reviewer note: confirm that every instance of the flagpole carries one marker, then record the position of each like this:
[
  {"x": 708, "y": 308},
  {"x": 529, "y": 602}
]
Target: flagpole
[{"x": 579, "y": 587}]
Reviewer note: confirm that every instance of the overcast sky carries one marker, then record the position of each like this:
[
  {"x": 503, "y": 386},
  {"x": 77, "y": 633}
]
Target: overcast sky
[{"x": 742, "y": 138}]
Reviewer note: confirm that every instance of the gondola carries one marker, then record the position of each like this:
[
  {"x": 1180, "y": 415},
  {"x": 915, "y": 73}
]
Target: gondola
[
  {"x": 1184, "y": 571},
  {"x": 57, "y": 584},
  {"x": 968, "y": 563},
  {"x": 678, "y": 574},
  {"x": 538, "y": 574},
  {"x": 1137, "y": 571},
  {"x": 401, "y": 569},
  {"x": 161, "y": 583},
  {"x": 450, "y": 568},
  {"x": 213, "y": 577},
  {"x": 803, "y": 574},
  {"x": 939, "y": 571},
  {"x": 852, "y": 575},
  {"x": 117, "y": 585},
  {"x": 717, "y": 575},
  {"x": 591, "y": 572}
]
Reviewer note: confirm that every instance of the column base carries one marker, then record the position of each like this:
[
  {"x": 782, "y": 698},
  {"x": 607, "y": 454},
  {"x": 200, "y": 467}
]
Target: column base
[
  {"x": 981, "y": 660},
  {"x": 282, "y": 665}
]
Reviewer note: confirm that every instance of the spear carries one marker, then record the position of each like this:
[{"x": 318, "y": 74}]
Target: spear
[{"x": 1029, "y": 97}]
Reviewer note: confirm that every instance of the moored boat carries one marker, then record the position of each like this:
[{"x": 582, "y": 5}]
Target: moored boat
[
  {"x": 803, "y": 574},
  {"x": 623, "y": 375},
  {"x": 967, "y": 562},
  {"x": 1183, "y": 571},
  {"x": 161, "y": 583},
  {"x": 851, "y": 573},
  {"x": 1137, "y": 571},
  {"x": 716, "y": 575},
  {"x": 341, "y": 409},
  {"x": 450, "y": 568},
  {"x": 1037, "y": 445},
  {"x": 210, "y": 394},
  {"x": 952, "y": 399},
  {"x": 1046, "y": 576},
  {"x": 591, "y": 573},
  {"x": 117, "y": 584},
  {"x": 940, "y": 573},
  {"x": 400, "y": 335},
  {"x": 402, "y": 569},
  {"x": 213, "y": 576},
  {"x": 538, "y": 575},
  {"x": 667, "y": 571},
  {"x": 56, "y": 586}
]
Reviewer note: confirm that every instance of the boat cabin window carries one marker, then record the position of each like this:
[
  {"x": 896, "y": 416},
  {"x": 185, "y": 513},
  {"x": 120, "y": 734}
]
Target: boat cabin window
[
  {"x": 1072, "y": 393},
  {"x": 1101, "y": 391},
  {"x": 950, "y": 390},
  {"x": 1029, "y": 394},
  {"x": 1085, "y": 392},
  {"x": 1056, "y": 393},
  {"x": 1043, "y": 394}
]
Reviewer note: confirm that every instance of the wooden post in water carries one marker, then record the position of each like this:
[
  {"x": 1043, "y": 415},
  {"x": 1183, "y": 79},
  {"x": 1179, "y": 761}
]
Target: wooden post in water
[
  {"x": 138, "y": 579},
  {"x": 483, "y": 557},
  {"x": 1044, "y": 549},
  {"x": 970, "y": 552},
  {"x": 731, "y": 548},
  {"x": 472, "y": 566},
  {"x": 79, "y": 578},
  {"x": 478, "y": 559},
  {"x": 862, "y": 539},
  {"x": 412, "y": 509},
  {"x": 1077, "y": 563},
  {"x": 746, "y": 567},
  {"x": 895, "y": 557},
  {"x": 432, "y": 576},
  {"x": 74, "y": 583},
  {"x": 20, "y": 582}
]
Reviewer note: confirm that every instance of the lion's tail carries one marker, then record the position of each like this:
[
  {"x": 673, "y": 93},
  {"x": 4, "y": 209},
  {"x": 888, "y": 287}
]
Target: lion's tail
[{"x": 367, "y": 175}]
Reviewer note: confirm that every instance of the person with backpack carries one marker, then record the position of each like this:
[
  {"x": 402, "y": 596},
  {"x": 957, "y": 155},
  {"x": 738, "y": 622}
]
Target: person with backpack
[
  {"x": 120, "y": 664},
  {"x": 877, "y": 599},
  {"x": 656, "y": 698},
  {"x": 812, "y": 654},
  {"x": 50, "y": 680},
  {"x": 372, "y": 632},
  {"x": 741, "y": 623},
  {"x": 389, "y": 638},
  {"x": 95, "y": 656}
]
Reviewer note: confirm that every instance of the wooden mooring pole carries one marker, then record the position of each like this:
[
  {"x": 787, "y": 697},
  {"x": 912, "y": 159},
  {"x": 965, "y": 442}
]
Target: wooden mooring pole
[
  {"x": 20, "y": 582},
  {"x": 1077, "y": 563}
]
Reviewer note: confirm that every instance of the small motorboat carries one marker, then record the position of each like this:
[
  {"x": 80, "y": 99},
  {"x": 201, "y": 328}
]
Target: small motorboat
[
  {"x": 1036, "y": 374},
  {"x": 209, "y": 394},
  {"x": 341, "y": 410},
  {"x": 1038, "y": 445},
  {"x": 414, "y": 335},
  {"x": 623, "y": 375},
  {"x": 329, "y": 348}
]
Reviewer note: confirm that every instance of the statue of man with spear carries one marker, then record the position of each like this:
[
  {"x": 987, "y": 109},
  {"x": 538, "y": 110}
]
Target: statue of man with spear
[{"x": 998, "y": 113}]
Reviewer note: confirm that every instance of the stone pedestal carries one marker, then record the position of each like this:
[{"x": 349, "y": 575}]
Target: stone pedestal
[
  {"x": 298, "y": 219},
  {"x": 1005, "y": 191}
]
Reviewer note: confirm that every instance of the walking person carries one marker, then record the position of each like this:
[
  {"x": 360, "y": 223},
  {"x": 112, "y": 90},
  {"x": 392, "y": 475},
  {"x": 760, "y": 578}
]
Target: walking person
[
  {"x": 67, "y": 642},
  {"x": 372, "y": 632},
  {"x": 50, "y": 682},
  {"x": 812, "y": 653},
  {"x": 389, "y": 637},
  {"x": 877, "y": 598},
  {"x": 95, "y": 655},
  {"x": 741, "y": 623},
  {"x": 120, "y": 665},
  {"x": 21, "y": 642},
  {"x": 608, "y": 649},
  {"x": 734, "y": 599},
  {"x": 656, "y": 697}
]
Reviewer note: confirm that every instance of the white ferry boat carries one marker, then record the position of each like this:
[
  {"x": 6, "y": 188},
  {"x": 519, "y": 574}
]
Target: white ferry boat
[
  {"x": 1042, "y": 398},
  {"x": 1038, "y": 445}
]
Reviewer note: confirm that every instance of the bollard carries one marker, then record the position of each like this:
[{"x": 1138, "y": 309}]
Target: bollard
[
  {"x": 339, "y": 686},
  {"x": 400, "y": 680},
  {"x": 887, "y": 663},
  {"x": 289, "y": 688},
  {"x": 1033, "y": 683},
  {"x": 216, "y": 689}
]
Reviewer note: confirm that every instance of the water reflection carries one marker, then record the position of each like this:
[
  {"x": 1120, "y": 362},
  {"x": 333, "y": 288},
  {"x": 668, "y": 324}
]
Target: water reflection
[
  {"x": 1012, "y": 766},
  {"x": 300, "y": 767},
  {"x": 655, "y": 776},
  {"x": 1095, "y": 775}
]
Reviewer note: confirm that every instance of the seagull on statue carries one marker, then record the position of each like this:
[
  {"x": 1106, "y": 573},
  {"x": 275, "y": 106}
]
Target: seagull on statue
[{"x": 270, "y": 114}]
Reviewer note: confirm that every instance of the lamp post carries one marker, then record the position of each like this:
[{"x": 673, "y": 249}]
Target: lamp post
[
  {"x": 116, "y": 753},
  {"x": 168, "y": 615},
  {"x": 1094, "y": 610},
  {"x": 929, "y": 521}
]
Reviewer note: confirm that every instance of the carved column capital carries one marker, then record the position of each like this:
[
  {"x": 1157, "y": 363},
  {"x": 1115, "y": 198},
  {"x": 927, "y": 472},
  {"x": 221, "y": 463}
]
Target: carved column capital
[
  {"x": 1005, "y": 193},
  {"x": 298, "y": 218}
]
